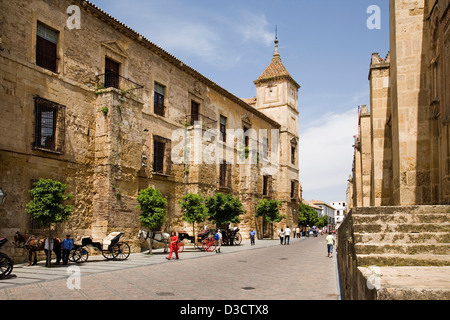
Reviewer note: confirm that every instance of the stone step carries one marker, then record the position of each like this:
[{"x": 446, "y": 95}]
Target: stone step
[
  {"x": 409, "y": 249},
  {"x": 420, "y": 209},
  {"x": 401, "y": 218},
  {"x": 401, "y": 227},
  {"x": 403, "y": 260},
  {"x": 395, "y": 237}
]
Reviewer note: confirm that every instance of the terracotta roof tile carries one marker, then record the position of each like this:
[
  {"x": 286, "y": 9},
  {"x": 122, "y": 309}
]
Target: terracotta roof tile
[{"x": 275, "y": 70}]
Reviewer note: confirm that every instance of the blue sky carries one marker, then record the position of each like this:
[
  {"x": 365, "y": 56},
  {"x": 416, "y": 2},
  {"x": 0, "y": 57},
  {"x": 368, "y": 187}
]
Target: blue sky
[{"x": 324, "y": 44}]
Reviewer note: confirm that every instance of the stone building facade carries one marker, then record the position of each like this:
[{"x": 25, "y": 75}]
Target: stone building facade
[
  {"x": 96, "y": 107},
  {"x": 402, "y": 148},
  {"x": 398, "y": 193}
]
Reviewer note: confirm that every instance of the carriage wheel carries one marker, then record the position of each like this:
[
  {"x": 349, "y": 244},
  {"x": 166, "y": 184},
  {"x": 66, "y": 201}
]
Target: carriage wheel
[
  {"x": 79, "y": 255},
  {"x": 180, "y": 247},
  {"x": 205, "y": 244},
  {"x": 209, "y": 244},
  {"x": 212, "y": 245},
  {"x": 237, "y": 239},
  {"x": 109, "y": 254},
  {"x": 122, "y": 250},
  {"x": 6, "y": 265}
]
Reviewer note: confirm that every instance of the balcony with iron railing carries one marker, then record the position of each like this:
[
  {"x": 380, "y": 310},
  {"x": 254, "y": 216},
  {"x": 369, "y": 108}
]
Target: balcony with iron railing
[
  {"x": 107, "y": 81},
  {"x": 204, "y": 121}
]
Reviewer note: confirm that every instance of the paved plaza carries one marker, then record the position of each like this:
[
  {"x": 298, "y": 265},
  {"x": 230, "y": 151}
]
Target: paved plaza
[{"x": 265, "y": 271}]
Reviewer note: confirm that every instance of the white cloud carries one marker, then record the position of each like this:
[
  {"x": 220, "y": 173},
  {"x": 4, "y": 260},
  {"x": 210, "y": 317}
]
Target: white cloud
[
  {"x": 326, "y": 154},
  {"x": 254, "y": 28}
]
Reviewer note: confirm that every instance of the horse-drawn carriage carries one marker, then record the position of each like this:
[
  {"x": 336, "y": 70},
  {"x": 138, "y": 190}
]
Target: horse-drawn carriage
[
  {"x": 6, "y": 264},
  {"x": 206, "y": 241},
  {"x": 231, "y": 237},
  {"x": 110, "y": 247},
  {"x": 201, "y": 237}
]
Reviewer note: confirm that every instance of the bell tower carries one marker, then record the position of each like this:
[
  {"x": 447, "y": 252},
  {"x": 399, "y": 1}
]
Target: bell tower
[{"x": 277, "y": 97}]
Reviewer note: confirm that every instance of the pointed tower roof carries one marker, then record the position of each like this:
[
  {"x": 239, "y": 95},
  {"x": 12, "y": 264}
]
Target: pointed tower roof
[{"x": 276, "y": 70}]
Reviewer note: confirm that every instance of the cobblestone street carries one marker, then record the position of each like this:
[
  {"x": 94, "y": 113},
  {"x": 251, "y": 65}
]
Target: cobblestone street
[{"x": 244, "y": 272}]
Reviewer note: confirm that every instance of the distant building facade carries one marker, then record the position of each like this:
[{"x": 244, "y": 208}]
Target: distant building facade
[
  {"x": 340, "y": 212},
  {"x": 327, "y": 210}
]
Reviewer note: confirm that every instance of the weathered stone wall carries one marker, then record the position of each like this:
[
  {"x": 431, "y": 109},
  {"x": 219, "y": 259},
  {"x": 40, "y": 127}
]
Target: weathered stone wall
[
  {"x": 380, "y": 115},
  {"x": 409, "y": 110},
  {"x": 109, "y": 133}
]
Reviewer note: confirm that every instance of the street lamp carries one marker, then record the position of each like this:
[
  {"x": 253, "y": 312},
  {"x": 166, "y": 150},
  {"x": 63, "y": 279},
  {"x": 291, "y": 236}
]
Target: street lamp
[{"x": 2, "y": 197}]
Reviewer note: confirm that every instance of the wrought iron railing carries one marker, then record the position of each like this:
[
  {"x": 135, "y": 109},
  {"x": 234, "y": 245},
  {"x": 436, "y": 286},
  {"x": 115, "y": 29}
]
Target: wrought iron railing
[
  {"x": 206, "y": 122},
  {"x": 113, "y": 80}
]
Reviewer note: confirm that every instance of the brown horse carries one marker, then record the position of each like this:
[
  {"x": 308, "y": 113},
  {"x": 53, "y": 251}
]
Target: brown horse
[{"x": 34, "y": 244}]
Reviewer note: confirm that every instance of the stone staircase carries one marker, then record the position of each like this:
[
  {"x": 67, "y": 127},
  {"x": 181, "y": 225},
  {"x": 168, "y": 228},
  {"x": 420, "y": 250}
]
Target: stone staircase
[
  {"x": 405, "y": 251},
  {"x": 402, "y": 236}
]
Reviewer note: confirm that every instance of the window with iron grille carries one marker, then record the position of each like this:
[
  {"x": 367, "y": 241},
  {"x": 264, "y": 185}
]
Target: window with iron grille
[
  {"x": 162, "y": 162},
  {"x": 159, "y": 99},
  {"x": 49, "y": 126},
  {"x": 46, "y": 47}
]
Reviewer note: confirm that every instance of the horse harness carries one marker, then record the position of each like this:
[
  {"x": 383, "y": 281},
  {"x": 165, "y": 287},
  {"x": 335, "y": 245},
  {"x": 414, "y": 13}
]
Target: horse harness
[{"x": 27, "y": 244}]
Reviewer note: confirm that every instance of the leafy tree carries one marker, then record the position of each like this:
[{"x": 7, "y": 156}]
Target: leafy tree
[
  {"x": 323, "y": 221},
  {"x": 224, "y": 209},
  {"x": 47, "y": 205},
  {"x": 270, "y": 211},
  {"x": 153, "y": 210},
  {"x": 195, "y": 210},
  {"x": 307, "y": 216}
]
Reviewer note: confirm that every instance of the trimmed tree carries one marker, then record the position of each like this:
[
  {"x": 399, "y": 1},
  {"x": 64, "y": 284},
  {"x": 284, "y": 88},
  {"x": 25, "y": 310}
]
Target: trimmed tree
[
  {"x": 270, "y": 211},
  {"x": 194, "y": 210},
  {"x": 224, "y": 209},
  {"x": 153, "y": 210},
  {"x": 47, "y": 205}
]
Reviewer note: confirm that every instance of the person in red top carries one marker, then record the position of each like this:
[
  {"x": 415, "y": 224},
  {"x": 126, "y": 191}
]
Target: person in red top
[{"x": 173, "y": 245}]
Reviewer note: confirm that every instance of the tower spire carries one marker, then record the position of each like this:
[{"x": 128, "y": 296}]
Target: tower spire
[{"x": 276, "y": 54}]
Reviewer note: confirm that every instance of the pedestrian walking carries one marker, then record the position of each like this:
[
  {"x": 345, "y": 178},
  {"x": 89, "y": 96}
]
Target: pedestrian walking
[
  {"x": 298, "y": 232},
  {"x": 281, "y": 236},
  {"x": 287, "y": 235},
  {"x": 330, "y": 242},
  {"x": 294, "y": 232},
  {"x": 173, "y": 245},
  {"x": 252, "y": 236},
  {"x": 67, "y": 246},
  {"x": 218, "y": 238}
]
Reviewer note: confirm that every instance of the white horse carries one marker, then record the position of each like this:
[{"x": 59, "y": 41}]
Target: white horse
[{"x": 158, "y": 236}]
